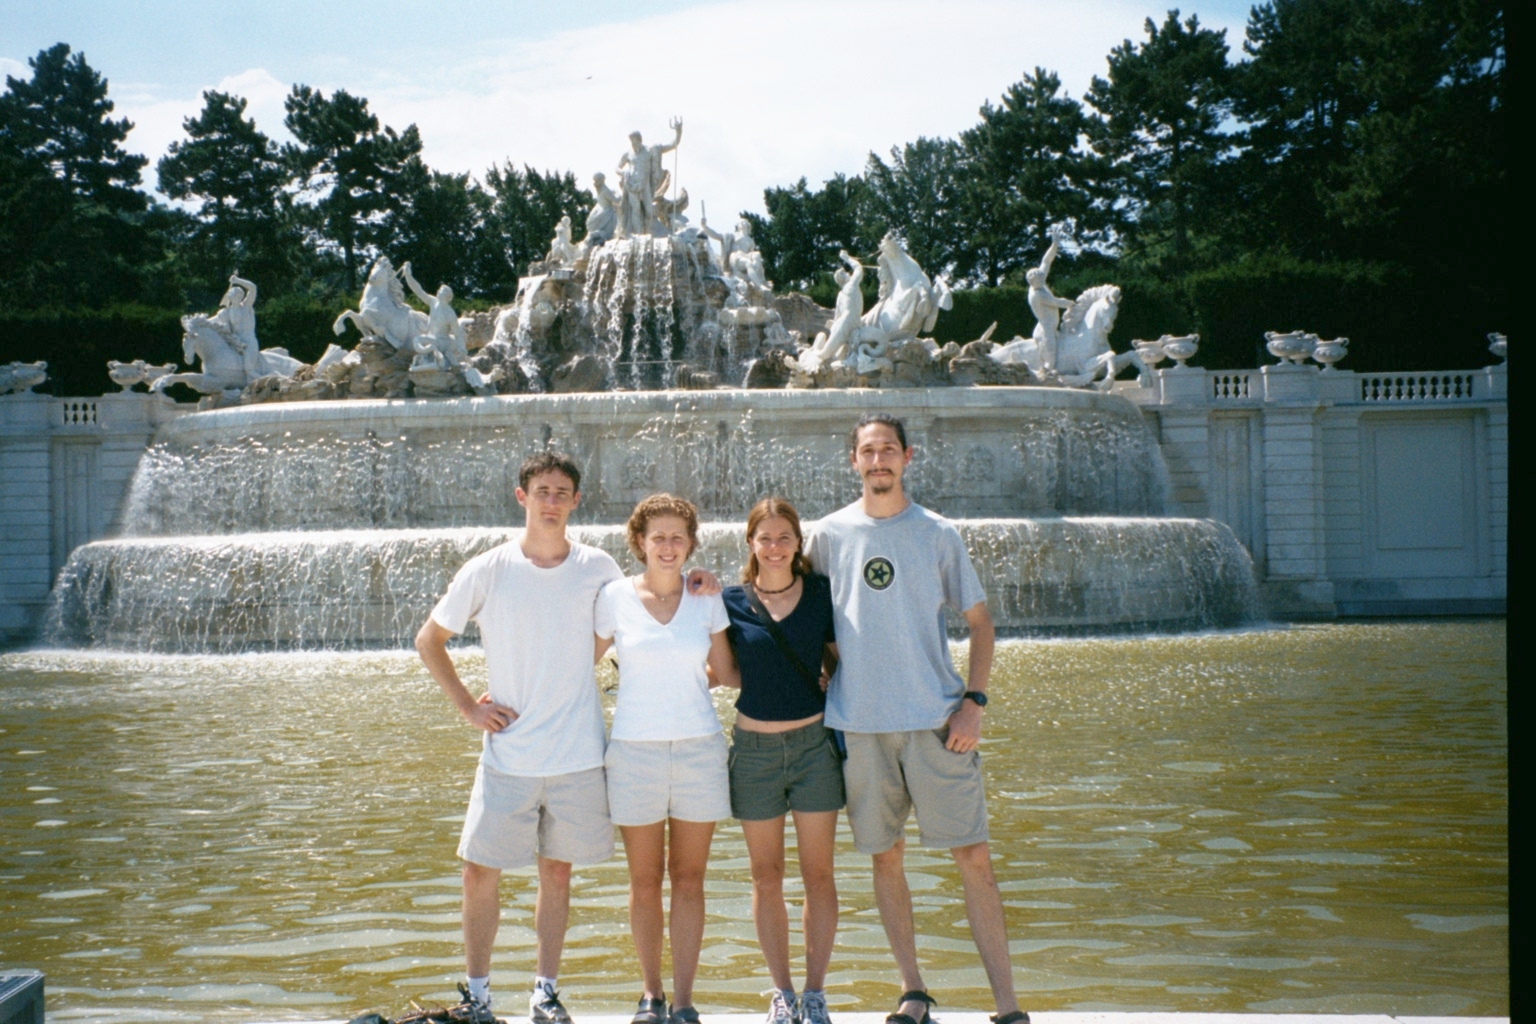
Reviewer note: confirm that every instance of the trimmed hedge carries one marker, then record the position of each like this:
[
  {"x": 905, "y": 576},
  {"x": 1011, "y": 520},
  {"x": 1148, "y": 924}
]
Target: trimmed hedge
[{"x": 1393, "y": 322}]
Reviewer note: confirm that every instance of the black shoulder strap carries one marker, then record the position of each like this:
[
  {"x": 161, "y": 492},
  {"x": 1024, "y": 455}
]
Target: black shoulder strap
[{"x": 811, "y": 678}]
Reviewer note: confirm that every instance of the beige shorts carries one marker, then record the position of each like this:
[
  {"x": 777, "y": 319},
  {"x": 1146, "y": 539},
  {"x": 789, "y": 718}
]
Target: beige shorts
[
  {"x": 890, "y": 774},
  {"x": 513, "y": 820},
  {"x": 653, "y": 780}
]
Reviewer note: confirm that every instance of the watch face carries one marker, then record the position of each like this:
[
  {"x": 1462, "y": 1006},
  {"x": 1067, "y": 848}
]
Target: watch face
[{"x": 978, "y": 697}]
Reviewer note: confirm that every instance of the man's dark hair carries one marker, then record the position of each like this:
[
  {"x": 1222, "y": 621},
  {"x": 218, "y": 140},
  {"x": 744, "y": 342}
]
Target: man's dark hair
[
  {"x": 883, "y": 418},
  {"x": 546, "y": 461}
]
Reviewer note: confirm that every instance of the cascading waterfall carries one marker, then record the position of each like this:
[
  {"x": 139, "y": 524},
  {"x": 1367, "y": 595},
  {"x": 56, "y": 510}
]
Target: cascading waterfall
[
  {"x": 374, "y": 588},
  {"x": 329, "y": 525}
]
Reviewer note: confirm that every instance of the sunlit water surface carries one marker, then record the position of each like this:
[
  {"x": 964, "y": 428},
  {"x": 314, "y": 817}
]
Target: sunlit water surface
[{"x": 1304, "y": 819}]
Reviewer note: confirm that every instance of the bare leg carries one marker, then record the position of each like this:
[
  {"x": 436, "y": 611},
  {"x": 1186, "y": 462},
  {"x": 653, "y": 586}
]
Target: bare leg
[
  {"x": 645, "y": 850},
  {"x": 984, "y": 909},
  {"x": 687, "y": 860},
  {"x": 815, "y": 834},
  {"x": 765, "y": 849},
  {"x": 551, "y": 911},
  {"x": 895, "y": 902},
  {"x": 481, "y": 915}
]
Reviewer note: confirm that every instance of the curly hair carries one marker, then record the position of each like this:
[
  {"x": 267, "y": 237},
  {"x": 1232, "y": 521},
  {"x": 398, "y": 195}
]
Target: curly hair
[
  {"x": 773, "y": 507},
  {"x": 654, "y": 507}
]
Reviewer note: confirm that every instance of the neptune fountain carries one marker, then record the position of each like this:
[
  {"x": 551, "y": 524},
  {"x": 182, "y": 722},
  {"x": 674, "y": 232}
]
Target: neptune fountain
[{"x": 325, "y": 505}]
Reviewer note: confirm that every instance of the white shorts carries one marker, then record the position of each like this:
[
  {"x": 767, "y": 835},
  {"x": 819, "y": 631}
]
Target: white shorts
[
  {"x": 513, "y": 820},
  {"x": 653, "y": 780}
]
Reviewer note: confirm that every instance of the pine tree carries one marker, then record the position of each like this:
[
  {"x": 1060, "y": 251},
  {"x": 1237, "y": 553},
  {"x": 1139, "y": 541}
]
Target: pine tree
[
  {"x": 350, "y": 168},
  {"x": 239, "y": 176},
  {"x": 1161, "y": 115},
  {"x": 1026, "y": 170}
]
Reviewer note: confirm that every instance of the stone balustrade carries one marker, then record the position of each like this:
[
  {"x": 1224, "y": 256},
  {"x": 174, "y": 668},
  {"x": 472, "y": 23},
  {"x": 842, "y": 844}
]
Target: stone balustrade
[{"x": 1356, "y": 493}]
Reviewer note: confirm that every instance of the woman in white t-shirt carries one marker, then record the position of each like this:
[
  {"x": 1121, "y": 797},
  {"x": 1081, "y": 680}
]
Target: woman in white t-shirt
[{"x": 666, "y": 760}]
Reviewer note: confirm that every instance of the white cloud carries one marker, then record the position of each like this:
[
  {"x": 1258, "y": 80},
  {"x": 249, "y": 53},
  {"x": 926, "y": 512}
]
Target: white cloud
[
  {"x": 768, "y": 93},
  {"x": 14, "y": 68}
]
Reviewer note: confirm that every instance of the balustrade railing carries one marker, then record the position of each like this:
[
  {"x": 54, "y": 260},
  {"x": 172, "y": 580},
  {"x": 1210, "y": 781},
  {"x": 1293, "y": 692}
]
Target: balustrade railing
[
  {"x": 75, "y": 412},
  {"x": 1229, "y": 386},
  {"x": 1417, "y": 387}
]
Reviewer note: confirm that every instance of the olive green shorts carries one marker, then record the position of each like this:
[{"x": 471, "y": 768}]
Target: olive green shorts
[{"x": 773, "y": 773}]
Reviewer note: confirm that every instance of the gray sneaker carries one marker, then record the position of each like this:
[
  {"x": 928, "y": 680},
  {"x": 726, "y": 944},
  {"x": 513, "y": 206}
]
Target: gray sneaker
[
  {"x": 472, "y": 1010},
  {"x": 781, "y": 1010},
  {"x": 813, "y": 1008},
  {"x": 544, "y": 1007}
]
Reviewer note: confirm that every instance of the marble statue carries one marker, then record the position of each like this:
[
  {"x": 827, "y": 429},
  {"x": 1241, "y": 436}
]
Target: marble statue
[
  {"x": 1292, "y": 346},
  {"x": 832, "y": 346},
  {"x": 443, "y": 343},
  {"x": 382, "y": 311},
  {"x": 1083, "y": 353},
  {"x": 562, "y": 250},
  {"x": 669, "y": 212},
  {"x": 909, "y": 302},
  {"x": 739, "y": 257},
  {"x": 603, "y": 218},
  {"x": 1046, "y": 306},
  {"x": 225, "y": 346},
  {"x": 21, "y": 378},
  {"x": 1330, "y": 352},
  {"x": 641, "y": 176}
]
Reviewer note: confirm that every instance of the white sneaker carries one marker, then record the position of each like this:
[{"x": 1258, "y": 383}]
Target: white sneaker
[
  {"x": 781, "y": 1010},
  {"x": 813, "y": 1008}
]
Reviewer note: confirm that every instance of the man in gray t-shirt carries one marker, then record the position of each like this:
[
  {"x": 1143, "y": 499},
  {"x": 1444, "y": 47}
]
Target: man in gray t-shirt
[{"x": 911, "y": 724}]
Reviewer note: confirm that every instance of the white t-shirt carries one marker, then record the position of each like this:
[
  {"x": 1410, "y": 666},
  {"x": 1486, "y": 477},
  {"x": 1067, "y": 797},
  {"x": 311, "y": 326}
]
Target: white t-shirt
[
  {"x": 536, "y": 627},
  {"x": 663, "y": 691}
]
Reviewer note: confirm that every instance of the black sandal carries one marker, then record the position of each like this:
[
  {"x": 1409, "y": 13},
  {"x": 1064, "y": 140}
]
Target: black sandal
[
  {"x": 915, "y": 996},
  {"x": 1016, "y": 1017},
  {"x": 650, "y": 1011}
]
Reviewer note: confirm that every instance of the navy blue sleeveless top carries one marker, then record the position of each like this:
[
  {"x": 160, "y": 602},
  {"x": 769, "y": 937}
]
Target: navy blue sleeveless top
[{"x": 771, "y": 689}]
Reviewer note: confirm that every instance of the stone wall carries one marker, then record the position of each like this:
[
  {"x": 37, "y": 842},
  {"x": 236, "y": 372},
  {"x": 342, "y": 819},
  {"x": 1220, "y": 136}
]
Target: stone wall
[
  {"x": 65, "y": 464},
  {"x": 1356, "y": 494}
]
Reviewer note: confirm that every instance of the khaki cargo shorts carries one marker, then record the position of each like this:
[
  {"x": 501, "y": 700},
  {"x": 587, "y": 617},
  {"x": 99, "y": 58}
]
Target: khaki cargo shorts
[
  {"x": 890, "y": 774},
  {"x": 513, "y": 820}
]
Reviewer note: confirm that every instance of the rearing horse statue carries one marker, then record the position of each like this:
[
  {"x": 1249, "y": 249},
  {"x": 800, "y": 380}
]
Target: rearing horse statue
[{"x": 382, "y": 312}]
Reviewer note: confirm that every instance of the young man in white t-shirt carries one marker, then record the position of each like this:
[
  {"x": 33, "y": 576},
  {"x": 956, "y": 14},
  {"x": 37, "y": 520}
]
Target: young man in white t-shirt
[{"x": 539, "y": 794}]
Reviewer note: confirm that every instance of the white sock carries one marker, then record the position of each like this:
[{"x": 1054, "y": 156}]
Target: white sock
[
  {"x": 814, "y": 992},
  {"x": 480, "y": 989},
  {"x": 788, "y": 994},
  {"x": 547, "y": 984}
]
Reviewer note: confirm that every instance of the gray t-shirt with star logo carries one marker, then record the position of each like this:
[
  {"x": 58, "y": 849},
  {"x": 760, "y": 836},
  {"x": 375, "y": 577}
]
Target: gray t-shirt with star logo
[{"x": 891, "y": 581}]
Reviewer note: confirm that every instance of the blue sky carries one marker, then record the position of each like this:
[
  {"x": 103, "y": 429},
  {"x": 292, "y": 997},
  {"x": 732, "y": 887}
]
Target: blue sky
[{"x": 767, "y": 91}]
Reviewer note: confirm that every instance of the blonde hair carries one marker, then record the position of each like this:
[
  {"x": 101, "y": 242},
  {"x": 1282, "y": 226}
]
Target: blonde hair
[
  {"x": 654, "y": 507},
  {"x": 773, "y": 507}
]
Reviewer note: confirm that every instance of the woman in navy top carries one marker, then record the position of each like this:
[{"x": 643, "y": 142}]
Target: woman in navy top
[{"x": 783, "y": 760}]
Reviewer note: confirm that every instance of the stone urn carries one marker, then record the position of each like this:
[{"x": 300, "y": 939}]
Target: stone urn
[
  {"x": 1329, "y": 352},
  {"x": 126, "y": 375},
  {"x": 1498, "y": 344},
  {"x": 1151, "y": 352},
  {"x": 1181, "y": 350},
  {"x": 1293, "y": 346}
]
